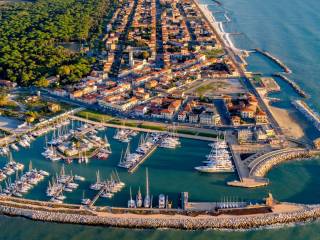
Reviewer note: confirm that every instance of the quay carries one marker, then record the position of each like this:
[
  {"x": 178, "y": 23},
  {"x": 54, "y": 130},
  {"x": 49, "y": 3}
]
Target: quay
[
  {"x": 273, "y": 58},
  {"x": 282, "y": 213},
  {"x": 295, "y": 86},
  {"x": 210, "y": 139},
  {"x": 251, "y": 171}
]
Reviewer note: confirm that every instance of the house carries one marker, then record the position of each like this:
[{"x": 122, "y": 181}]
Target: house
[
  {"x": 59, "y": 92},
  {"x": 140, "y": 110},
  {"x": 182, "y": 116},
  {"x": 7, "y": 83},
  {"x": 261, "y": 117},
  {"x": 76, "y": 94},
  {"x": 244, "y": 135},
  {"x": 208, "y": 118},
  {"x": 175, "y": 105},
  {"x": 235, "y": 120},
  {"x": 167, "y": 114},
  {"x": 248, "y": 112},
  {"x": 260, "y": 135},
  {"x": 54, "y": 107},
  {"x": 151, "y": 84},
  {"x": 193, "y": 118}
]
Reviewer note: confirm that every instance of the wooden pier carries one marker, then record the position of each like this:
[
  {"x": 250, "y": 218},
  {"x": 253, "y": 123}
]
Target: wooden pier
[
  {"x": 135, "y": 167},
  {"x": 96, "y": 197},
  {"x": 60, "y": 190}
]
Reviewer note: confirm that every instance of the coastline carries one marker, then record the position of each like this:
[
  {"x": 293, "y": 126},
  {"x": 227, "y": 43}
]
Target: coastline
[{"x": 217, "y": 25}]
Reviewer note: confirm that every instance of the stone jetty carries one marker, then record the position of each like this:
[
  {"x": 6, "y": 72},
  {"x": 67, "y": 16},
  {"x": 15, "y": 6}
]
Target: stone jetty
[
  {"x": 284, "y": 213},
  {"x": 295, "y": 86},
  {"x": 273, "y": 58},
  {"x": 264, "y": 163}
]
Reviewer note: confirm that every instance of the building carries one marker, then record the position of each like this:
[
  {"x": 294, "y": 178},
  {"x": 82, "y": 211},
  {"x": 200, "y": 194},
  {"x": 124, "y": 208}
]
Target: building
[
  {"x": 151, "y": 84},
  {"x": 140, "y": 110},
  {"x": 175, "y": 105},
  {"x": 244, "y": 135},
  {"x": 261, "y": 117},
  {"x": 193, "y": 118},
  {"x": 248, "y": 112},
  {"x": 54, "y": 107},
  {"x": 182, "y": 116},
  {"x": 167, "y": 114},
  {"x": 235, "y": 120},
  {"x": 209, "y": 118},
  {"x": 260, "y": 135}
]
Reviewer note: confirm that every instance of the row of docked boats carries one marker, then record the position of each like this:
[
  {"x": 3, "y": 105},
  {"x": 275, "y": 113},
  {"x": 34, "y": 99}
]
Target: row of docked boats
[
  {"x": 26, "y": 139},
  {"x": 24, "y": 183},
  {"x": 146, "y": 145},
  {"x": 87, "y": 139},
  {"x": 146, "y": 202},
  {"x": 124, "y": 135},
  {"x": 62, "y": 183},
  {"x": 218, "y": 160},
  {"x": 10, "y": 168},
  {"x": 106, "y": 188},
  {"x": 44, "y": 130}
]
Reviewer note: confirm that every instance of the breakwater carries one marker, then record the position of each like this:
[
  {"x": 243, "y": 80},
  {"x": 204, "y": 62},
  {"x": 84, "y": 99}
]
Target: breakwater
[
  {"x": 295, "y": 213},
  {"x": 308, "y": 113},
  {"x": 264, "y": 163},
  {"x": 274, "y": 59},
  {"x": 295, "y": 86}
]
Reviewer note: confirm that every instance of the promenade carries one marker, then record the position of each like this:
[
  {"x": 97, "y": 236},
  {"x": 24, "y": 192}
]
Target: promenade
[{"x": 203, "y": 138}]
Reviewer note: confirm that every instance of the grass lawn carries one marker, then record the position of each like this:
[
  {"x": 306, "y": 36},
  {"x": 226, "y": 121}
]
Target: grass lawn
[{"x": 99, "y": 117}]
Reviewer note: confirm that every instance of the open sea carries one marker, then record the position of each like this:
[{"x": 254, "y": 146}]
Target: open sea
[{"x": 287, "y": 29}]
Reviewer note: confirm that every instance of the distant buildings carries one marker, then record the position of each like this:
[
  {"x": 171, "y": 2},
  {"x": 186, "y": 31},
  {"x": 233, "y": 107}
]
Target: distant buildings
[{"x": 245, "y": 110}]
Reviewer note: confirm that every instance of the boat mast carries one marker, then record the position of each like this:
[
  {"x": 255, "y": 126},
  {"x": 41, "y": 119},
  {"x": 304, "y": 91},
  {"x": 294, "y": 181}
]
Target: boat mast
[{"x": 147, "y": 182}]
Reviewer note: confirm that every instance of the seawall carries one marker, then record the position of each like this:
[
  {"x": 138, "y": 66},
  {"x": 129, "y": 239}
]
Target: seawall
[{"x": 295, "y": 213}]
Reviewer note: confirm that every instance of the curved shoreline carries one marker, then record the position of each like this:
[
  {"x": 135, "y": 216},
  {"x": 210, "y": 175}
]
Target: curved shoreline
[{"x": 76, "y": 214}]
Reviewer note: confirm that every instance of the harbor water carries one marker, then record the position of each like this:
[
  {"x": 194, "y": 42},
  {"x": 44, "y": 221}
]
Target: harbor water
[{"x": 288, "y": 30}]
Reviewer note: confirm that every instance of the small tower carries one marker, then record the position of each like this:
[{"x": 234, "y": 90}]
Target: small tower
[
  {"x": 269, "y": 200},
  {"x": 131, "y": 60}
]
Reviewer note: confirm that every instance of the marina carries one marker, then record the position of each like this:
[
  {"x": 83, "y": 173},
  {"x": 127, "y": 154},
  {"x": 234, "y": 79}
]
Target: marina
[{"x": 174, "y": 194}]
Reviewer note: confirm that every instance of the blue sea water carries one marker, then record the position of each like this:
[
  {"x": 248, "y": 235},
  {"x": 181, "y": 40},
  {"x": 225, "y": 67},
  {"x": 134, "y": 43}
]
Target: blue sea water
[{"x": 287, "y": 29}]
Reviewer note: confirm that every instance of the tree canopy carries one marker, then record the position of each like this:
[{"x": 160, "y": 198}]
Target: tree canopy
[{"x": 31, "y": 33}]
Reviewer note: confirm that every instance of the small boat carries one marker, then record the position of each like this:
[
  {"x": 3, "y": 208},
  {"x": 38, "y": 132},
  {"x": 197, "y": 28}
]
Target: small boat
[
  {"x": 131, "y": 202},
  {"x": 79, "y": 178},
  {"x": 162, "y": 201}
]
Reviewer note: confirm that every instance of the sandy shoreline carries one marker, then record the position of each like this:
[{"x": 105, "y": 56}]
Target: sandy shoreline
[
  {"x": 283, "y": 117},
  {"x": 218, "y": 26}
]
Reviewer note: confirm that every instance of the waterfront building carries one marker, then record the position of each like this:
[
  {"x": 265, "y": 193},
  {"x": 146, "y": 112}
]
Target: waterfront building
[
  {"x": 209, "y": 118},
  {"x": 244, "y": 135}
]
